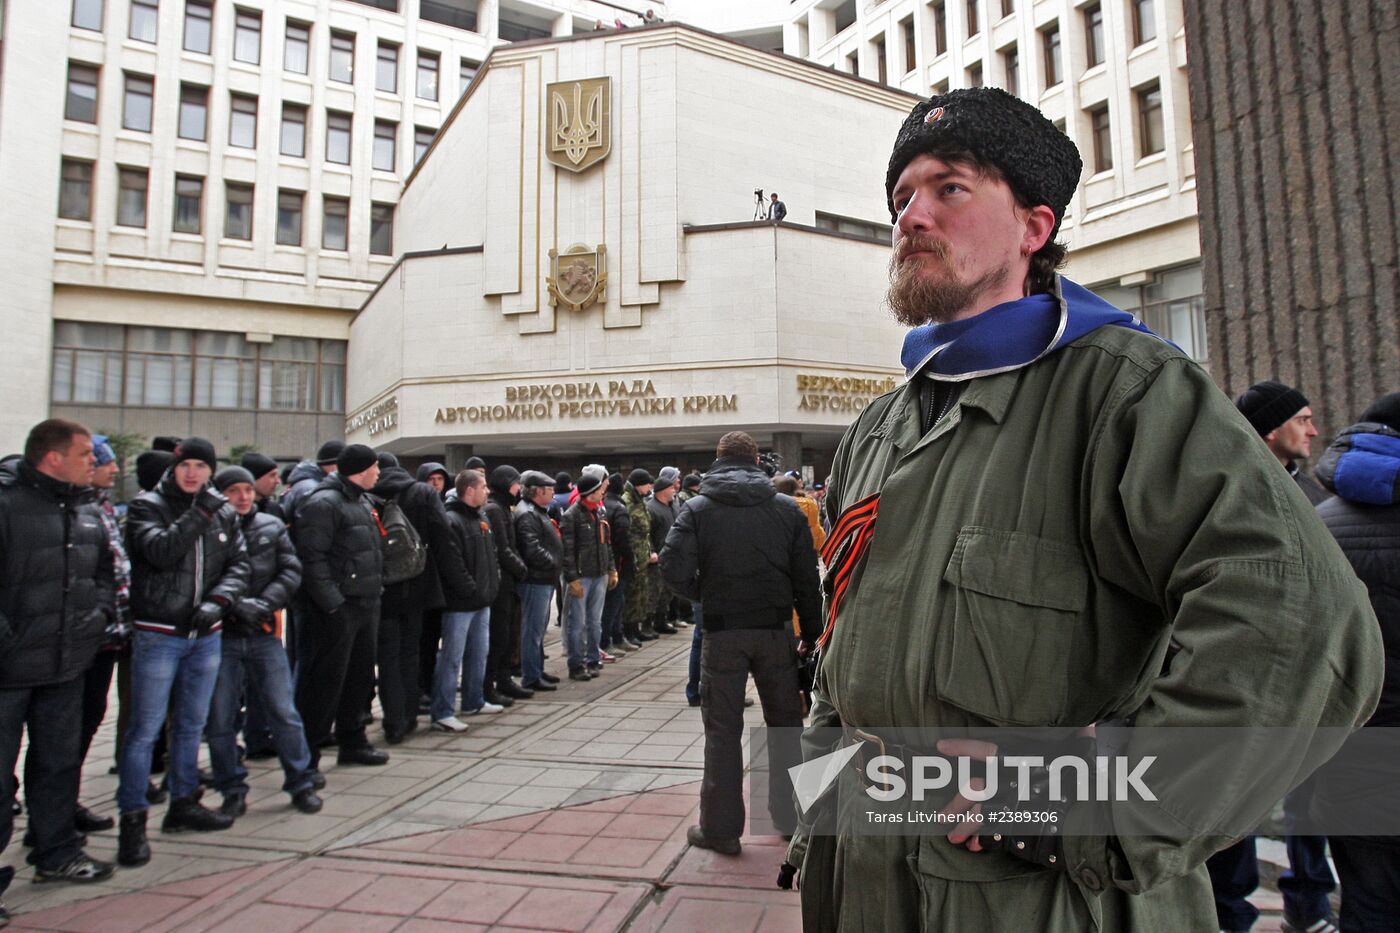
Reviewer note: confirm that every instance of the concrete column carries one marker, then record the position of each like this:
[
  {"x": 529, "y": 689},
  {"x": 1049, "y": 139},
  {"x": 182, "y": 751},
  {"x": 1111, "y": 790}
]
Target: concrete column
[
  {"x": 788, "y": 445},
  {"x": 457, "y": 457}
]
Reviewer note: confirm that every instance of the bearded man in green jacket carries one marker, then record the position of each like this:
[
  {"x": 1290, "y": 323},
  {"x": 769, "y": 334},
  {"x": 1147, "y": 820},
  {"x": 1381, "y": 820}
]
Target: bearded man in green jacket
[{"x": 1054, "y": 499}]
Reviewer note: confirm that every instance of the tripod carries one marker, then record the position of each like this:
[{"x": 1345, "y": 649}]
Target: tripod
[{"x": 760, "y": 206}]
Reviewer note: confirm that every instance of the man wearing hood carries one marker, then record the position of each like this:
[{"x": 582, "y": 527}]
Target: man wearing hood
[
  {"x": 253, "y": 662},
  {"x": 307, "y": 475},
  {"x": 499, "y": 688},
  {"x": 1057, "y": 520},
  {"x": 1362, "y": 466},
  {"x": 615, "y": 602},
  {"x": 404, "y": 604},
  {"x": 55, "y": 601},
  {"x": 189, "y": 568},
  {"x": 744, "y": 553},
  {"x": 437, "y": 477},
  {"x": 661, "y": 508},
  {"x": 338, "y": 536}
]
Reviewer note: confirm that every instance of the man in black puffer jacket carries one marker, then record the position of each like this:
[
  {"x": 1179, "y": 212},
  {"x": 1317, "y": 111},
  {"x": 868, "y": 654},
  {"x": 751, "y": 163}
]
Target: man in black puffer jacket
[
  {"x": 338, "y": 540},
  {"x": 1362, "y": 466},
  {"x": 589, "y": 572},
  {"x": 505, "y": 610},
  {"x": 745, "y": 553},
  {"x": 55, "y": 600},
  {"x": 253, "y": 660},
  {"x": 471, "y": 586},
  {"x": 404, "y": 604},
  {"x": 189, "y": 567},
  {"x": 543, "y": 552}
]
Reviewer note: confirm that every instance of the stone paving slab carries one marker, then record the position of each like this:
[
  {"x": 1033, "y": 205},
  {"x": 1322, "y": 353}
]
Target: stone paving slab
[{"x": 687, "y": 909}]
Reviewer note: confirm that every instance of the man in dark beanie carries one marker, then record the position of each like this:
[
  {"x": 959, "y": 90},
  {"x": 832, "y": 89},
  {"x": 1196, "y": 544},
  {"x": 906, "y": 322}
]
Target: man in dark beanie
[
  {"x": 636, "y": 572},
  {"x": 189, "y": 568},
  {"x": 1062, "y": 496},
  {"x": 1284, "y": 419},
  {"x": 253, "y": 662},
  {"x": 500, "y": 690},
  {"x": 265, "y": 478},
  {"x": 337, "y": 537},
  {"x": 150, "y": 467}
]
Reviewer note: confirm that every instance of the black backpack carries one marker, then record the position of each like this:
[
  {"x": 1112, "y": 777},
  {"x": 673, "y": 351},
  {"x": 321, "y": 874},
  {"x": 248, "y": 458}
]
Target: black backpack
[{"x": 405, "y": 554}]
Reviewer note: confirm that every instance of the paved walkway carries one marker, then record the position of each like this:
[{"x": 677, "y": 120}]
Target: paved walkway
[{"x": 566, "y": 813}]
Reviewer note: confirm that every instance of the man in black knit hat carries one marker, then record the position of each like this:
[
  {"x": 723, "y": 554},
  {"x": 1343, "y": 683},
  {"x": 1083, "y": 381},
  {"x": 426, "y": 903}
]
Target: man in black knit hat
[
  {"x": 1284, "y": 419},
  {"x": 265, "y": 479}
]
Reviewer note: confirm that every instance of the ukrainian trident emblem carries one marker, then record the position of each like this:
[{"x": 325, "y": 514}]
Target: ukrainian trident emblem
[
  {"x": 580, "y": 122},
  {"x": 579, "y": 277}
]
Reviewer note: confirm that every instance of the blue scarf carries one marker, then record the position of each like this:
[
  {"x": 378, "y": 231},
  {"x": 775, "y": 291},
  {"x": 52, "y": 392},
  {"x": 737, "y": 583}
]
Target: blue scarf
[{"x": 1009, "y": 335}]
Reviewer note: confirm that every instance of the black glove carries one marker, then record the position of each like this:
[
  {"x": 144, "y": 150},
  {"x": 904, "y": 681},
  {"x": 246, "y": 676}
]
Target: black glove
[
  {"x": 786, "y": 874},
  {"x": 208, "y": 502},
  {"x": 254, "y": 613},
  {"x": 208, "y": 614}
]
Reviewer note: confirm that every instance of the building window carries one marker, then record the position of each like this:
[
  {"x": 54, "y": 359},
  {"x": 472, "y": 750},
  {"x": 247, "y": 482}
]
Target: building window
[
  {"x": 882, "y": 70},
  {"x": 1010, "y": 65},
  {"x": 225, "y": 371},
  {"x": 87, "y": 363},
  {"x": 243, "y": 122},
  {"x": 851, "y": 226},
  {"x": 391, "y": 5},
  {"x": 974, "y": 75},
  {"x": 335, "y": 224},
  {"x": 293, "y": 131},
  {"x": 144, "y": 16},
  {"x": 289, "y": 211},
  {"x": 1102, "y": 133},
  {"x": 1144, "y": 21},
  {"x": 467, "y": 73},
  {"x": 844, "y": 16},
  {"x": 381, "y": 229},
  {"x": 337, "y": 137},
  {"x": 911, "y": 55},
  {"x": 853, "y": 63},
  {"x": 940, "y": 27},
  {"x": 1151, "y": 135},
  {"x": 972, "y": 26},
  {"x": 136, "y": 102},
  {"x": 81, "y": 103},
  {"x": 385, "y": 138},
  {"x": 1008, "y": 7},
  {"x": 1093, "y": 35},
  {"x": 1050, "y": 51},
  {"x": 422, "y": 139},
  {"x": 189, "y": 204},
  {"x": 194, "y": 112},
  {"x": 1172, "y": 304},
  {"x": 427, "y": 75},
  {"x": 75, "y": 190},
  {"x": 342, "y": 59},
  {"x": 296, "y": 48},
  {"x": 108, "y": 364},
  {"x": 247, "y": 36},
  {"x": 87, "y": 14},
  {"x": 940, "y": 88},
  {"x": 238, "y": 211},
  {"x": 386, "y": 68},
  {"x": 458, "y": 13},
  {"x": 131, "y": 196},
  {"x": 199, "y": 21}
]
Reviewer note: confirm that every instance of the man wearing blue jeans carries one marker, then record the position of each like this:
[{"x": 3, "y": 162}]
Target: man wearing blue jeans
[
  {"x": 470, "y": 579},
  {"x": 589, "y": 572},
  {"x": 542, "y": 549},
  {"x": 692, "y": 684},
  {"x": 254, "y": 663},
  {"x": 189, "y": 566}
]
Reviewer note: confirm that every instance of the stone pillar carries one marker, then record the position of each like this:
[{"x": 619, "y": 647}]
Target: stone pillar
[
  {"x": 1295, "y": 105},
  {"x": 788, "y": 445},
  {"x": 457, "y": 456}
]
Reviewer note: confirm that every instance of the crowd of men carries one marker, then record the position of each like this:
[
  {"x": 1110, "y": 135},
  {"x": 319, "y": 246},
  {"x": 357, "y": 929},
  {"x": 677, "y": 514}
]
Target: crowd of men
[{"x": 264, "y": 625}]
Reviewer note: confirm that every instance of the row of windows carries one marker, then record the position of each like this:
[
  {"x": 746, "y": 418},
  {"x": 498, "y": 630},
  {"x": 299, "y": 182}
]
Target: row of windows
[
  {"x": 133, "y": 184},
  {"x": 138, "y": 105},
  {"x": 111, "y": 364},
  {"x": 1052, "y": 64},
  {"x": 296, "y": 46}
]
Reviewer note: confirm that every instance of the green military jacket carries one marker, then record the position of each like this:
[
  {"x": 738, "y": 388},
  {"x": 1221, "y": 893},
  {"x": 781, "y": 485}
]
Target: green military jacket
[{"x": 1034, "y": 555}]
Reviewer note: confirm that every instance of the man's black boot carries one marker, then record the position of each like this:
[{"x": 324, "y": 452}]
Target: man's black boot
[
  {"x": 665, "y": 628},
  {"x": 188, "y": 814},
  {"x": 132, "y": 849},
  {"x": 235, "y": 804},
  {"x": 85, "y": 821},
  {"x": 510, "y": 689},
  {"x": 363, "y": 755},
  {"x": 492, "y": 695},
  {"x": 307, "y": 800}
]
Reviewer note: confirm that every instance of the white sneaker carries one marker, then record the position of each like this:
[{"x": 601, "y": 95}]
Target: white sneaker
[
  {"x": 450, "y": 724},
  {"x": 484, "y": 708}
]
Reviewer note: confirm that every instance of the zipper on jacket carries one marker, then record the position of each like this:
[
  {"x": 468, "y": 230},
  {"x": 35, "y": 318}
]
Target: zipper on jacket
[{"x": 198, "y": 581}]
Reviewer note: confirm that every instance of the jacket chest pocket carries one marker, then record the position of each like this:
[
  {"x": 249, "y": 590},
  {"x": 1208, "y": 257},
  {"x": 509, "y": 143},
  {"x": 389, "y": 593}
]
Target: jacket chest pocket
[{"x": 1005, "y": 647}]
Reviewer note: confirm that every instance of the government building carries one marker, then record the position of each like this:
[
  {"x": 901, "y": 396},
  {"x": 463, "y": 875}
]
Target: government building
[{"x": 533, "y": 231}]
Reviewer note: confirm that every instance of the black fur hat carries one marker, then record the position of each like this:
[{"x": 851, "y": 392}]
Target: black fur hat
[{"x": 998, "y": 129}]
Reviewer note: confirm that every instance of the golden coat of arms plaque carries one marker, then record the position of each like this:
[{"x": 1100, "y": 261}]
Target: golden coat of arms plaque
[
  {"x": 580, "y": 122},
  {"x": 579, "y": 277}
]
